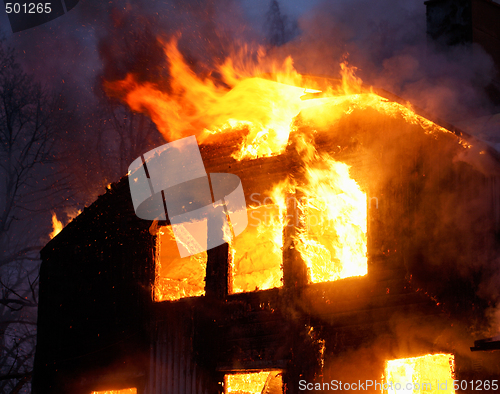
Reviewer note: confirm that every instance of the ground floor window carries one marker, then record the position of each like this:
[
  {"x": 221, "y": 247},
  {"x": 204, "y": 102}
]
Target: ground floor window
[
  {"x": 432, "y": 374},
  {"x": 255, "y": 382},
  {"x": 122, "y": 391}
]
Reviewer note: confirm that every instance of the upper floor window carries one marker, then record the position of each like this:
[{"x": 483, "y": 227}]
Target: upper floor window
[
  {"x": 177, "y": 277},
  {"x": 257, "y": 253},
  {"x": 327, "y": 213}
]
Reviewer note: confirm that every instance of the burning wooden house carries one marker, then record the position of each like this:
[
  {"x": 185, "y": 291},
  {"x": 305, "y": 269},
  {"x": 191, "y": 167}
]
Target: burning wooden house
[{"x": 369, "y": 227}]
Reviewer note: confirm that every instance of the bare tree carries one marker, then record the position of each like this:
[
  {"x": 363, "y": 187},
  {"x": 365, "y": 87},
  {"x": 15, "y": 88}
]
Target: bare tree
[
  {"x": 115, "y": 136},
  {"x": 31, "y": 122},
  {"x": 46, "y": 158},
  {"x": 128, "y": 134},
  {"x": 278, "y": 28}
]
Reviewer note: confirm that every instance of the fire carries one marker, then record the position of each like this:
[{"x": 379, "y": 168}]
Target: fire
[
  {"x": 262, "y": 109},
  {"x": 258, "y": 99},
  {"x": 339, "y": 104},
  {"x": 332, "y": 223},
  {"x": 123, "y": 391},
  {"x": 57, "y": 226},
  {"x": 177, "y": 277},
  {"x": 433, "y": 373},
  {"x": 350, "y": 82},
  {"x": 252, "y": 382},
  {"x": 257, "y": 252},
  {"x": 333, "y": 241}
]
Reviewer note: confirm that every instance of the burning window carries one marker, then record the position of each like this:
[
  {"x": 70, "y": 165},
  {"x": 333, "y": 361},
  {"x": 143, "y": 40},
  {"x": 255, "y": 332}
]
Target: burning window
[
  {"x": 177, "y": 277},
  {"x": 253, "y": 382},
  {"x": 330, "y": 236},
  {"x": 123, "y": 391},
  {"x": 257, "y": 253},
  {"x": 433, "y": 373},
  {"x": 332, "y": 242}
]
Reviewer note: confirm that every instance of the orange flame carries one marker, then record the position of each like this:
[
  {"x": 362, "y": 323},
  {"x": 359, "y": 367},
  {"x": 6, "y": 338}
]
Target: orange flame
[
  {"x": 257, "y": 252},
  {"x": 177, "y": 277},
  {"x": 333, "y": 212},
  {"x": 123, "y": 391},
  {"x": 351, "y": 84},
  {"x": 333, "y": 241},
  {"x": 57, "y": 226},
  {"x": 263, "y": 109}
]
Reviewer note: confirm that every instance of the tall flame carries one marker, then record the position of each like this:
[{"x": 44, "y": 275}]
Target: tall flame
[
  {"x": 57, "y": 226},
  {"x": 332, "y": 223},
  {"x": 260, "y": 108},
  {"x": 333, "y": 241},
  {"x": 246, "y": 99},
  {"x": 257, "y": 252}
]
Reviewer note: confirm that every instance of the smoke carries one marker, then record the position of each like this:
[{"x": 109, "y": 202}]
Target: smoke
[{"x": 387, "y": 42}]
